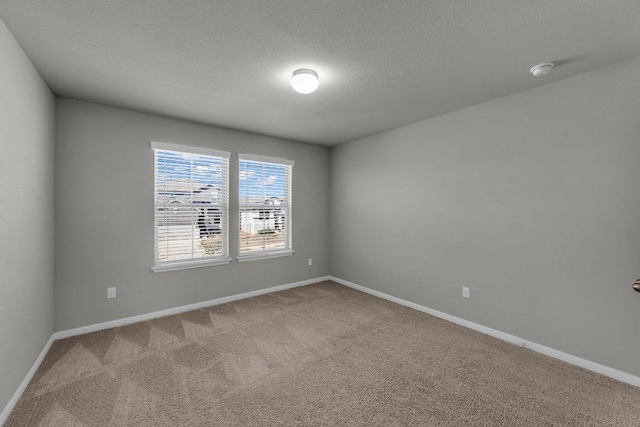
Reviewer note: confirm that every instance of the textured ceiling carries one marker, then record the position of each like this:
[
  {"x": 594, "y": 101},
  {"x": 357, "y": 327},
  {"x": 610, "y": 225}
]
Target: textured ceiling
[{"x": 382, "y": 63}]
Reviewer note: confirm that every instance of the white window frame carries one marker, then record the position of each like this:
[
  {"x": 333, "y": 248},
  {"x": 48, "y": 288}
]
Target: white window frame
[
  {"x": 224, "y": 258},
  {"x": 288, "y": 250}
]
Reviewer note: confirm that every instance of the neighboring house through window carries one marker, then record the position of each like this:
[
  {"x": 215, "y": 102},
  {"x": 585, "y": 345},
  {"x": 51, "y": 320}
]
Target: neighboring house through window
[
  {"x": 265, "y": 207},
  {"x": 191, "y": 206}
]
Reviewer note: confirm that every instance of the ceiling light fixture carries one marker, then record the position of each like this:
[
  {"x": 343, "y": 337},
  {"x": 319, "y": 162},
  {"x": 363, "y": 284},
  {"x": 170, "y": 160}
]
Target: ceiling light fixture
[
  {"x": 305, "y": 81},
  {"x": 542, "y": 69}
]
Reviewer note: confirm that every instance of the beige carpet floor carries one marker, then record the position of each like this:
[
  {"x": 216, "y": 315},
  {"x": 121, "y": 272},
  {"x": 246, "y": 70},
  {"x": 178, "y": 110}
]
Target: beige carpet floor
[{"x": 320, "y": 355}]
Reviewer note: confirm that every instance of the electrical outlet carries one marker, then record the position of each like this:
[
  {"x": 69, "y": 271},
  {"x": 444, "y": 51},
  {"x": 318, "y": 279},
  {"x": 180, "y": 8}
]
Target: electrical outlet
[
  {"x": 465, "y": 292},
  {"x": 111, "y": 292},
  {"x": 310, "y": 261}
]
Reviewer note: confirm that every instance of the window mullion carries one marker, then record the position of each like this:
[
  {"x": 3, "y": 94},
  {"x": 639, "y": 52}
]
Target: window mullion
[{"x": 193, "y": 237}]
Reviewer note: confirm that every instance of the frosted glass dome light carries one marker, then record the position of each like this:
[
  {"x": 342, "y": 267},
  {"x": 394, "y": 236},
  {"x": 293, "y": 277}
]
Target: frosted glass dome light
[{"x": 305, "y": 81}]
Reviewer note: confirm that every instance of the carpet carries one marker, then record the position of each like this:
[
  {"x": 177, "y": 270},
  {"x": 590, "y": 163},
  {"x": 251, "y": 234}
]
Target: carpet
[{"x": 319, "y": 355}]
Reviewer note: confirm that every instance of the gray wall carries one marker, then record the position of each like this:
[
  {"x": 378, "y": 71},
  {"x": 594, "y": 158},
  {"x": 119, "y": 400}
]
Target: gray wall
[
  {"x": 26, "y": 214},
  {"x": 104, "y": 215},
  {"x": 532, "y": 200}
]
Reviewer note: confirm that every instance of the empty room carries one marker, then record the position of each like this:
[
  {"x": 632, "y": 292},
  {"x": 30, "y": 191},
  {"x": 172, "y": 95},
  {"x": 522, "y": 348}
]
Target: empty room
[{"x": 319, "y": 213}]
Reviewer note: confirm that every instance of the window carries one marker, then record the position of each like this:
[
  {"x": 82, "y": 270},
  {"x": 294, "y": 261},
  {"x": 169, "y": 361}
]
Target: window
[
  {"x": 265, "y": 207},
  {"x": 191, "y": 207}
]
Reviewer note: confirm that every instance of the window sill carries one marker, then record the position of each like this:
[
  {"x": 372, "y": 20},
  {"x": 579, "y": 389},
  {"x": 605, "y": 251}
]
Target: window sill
[
  {"x": 189, "y": 264},
  {"x": 265, "y": 255}
]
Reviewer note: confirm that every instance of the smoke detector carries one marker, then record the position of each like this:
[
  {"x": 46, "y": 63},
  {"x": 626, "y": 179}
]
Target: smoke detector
[{"x": 542, "y": 69}]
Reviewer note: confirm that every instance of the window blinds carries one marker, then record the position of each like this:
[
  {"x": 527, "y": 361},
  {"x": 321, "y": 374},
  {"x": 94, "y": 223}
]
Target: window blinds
[
  {"x": 191, "y": 204},
  {"x": 265, "y": 205}
]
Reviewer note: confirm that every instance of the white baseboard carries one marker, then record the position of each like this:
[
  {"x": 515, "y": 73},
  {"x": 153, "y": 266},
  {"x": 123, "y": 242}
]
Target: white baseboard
[
  {"x": 140, "y": 318},
  {"x": 539, "y": 348},
  {"x": 578, "y": 361},
  {"x": 25, "y": 382},
  {"x": 182, "y": 309}
]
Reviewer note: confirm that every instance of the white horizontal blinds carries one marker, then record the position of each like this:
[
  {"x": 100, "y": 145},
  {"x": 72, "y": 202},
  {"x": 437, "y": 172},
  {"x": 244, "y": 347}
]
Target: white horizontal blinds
[
  {"x": 265, "y": 205},
  {"x": 191, "y": 205}
]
